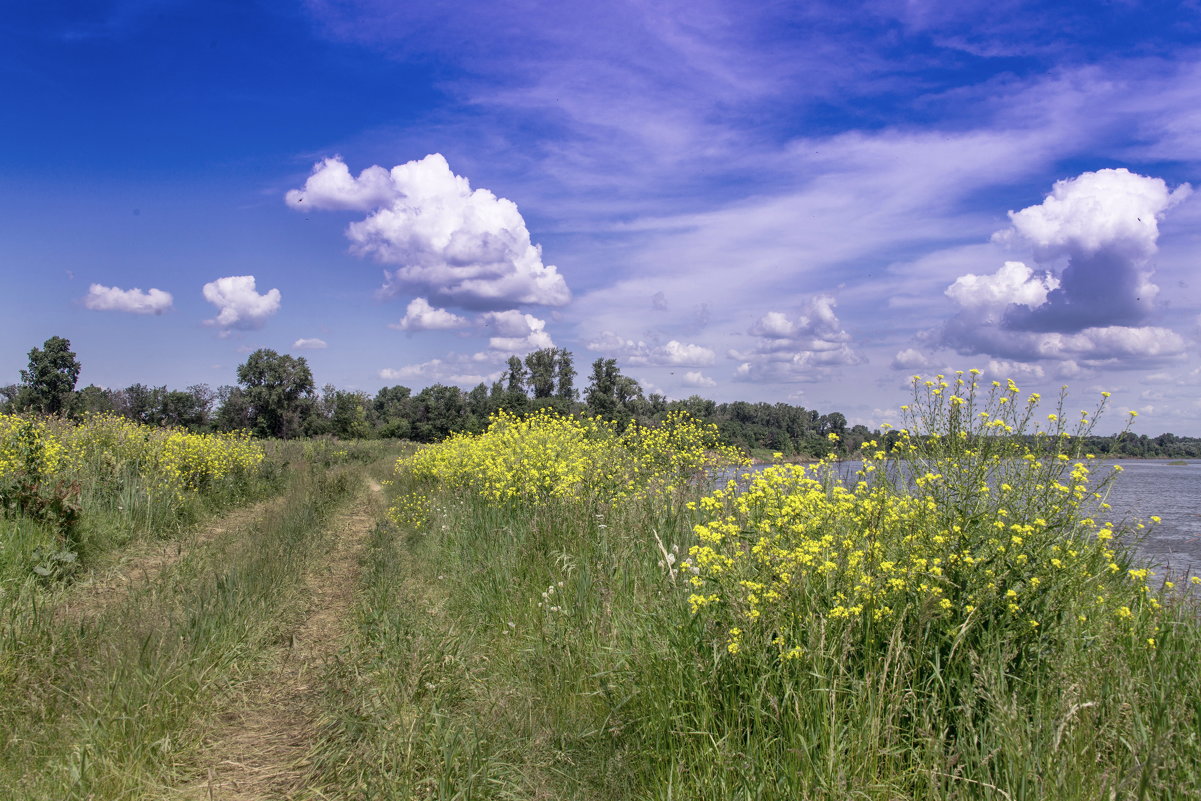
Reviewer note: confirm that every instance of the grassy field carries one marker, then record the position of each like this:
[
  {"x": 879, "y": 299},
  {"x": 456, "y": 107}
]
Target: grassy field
[
  {"x": 963, "y": 629},
  {"x": 561, "y": 609},
  {"x": 187, "y": 569}
]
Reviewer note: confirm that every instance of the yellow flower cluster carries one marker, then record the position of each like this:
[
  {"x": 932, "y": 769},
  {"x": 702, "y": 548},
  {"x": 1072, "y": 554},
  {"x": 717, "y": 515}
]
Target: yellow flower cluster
[
  {"x": 105, "y": 445},
  {"x": 547, "y": 455},
  {"x": 411, "y": 511},
  {"x": 968, "y": 521},
  {"x": 28, "y": 446}
]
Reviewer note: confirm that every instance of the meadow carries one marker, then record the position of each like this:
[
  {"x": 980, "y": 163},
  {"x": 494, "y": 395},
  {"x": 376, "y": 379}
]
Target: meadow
[
  {"x": 564, "y": 607},
  {"x": 557, "y": 610}
]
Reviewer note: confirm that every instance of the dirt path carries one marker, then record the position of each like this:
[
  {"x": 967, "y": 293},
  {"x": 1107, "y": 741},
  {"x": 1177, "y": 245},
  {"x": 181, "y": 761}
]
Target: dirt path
[
  {"x": 259, "y": 747},
  {"x": 146, "y": 560}
]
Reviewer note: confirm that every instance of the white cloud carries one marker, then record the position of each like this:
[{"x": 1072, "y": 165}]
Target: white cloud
[
  {"x": 1005, "y": 368},
  {"x": 1106, "y": 225},
  {"x": 1112, "y": 208},
  {"x": 804, "y": 348},
  {"x": 134, "y": 301},
  {"x": 910, "y": 359},
  {"x": 331, "y": 186},
  {"x": 642, "y": 354},
  {"x": 695, "y": 378},
  {"x": 421, "y": 316},
  {"x": 516, "y": 332},
  {"x": 239, "y": 305},
  {"x": 457, "y": 369},
  {"x": 679, "y": 354},
  {"x": 464, "y": 247},
  {"x": 312, "y": 343},
  {"x": 1014, "y": 283}
]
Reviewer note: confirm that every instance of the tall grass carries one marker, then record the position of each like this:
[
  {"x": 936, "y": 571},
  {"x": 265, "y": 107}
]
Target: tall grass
[
  {"x": 961, "y": 622},
  {"x": 108, "y": 706}
]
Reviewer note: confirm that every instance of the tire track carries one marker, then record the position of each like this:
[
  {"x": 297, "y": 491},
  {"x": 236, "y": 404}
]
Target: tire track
[{"x": 259, "y": 747}]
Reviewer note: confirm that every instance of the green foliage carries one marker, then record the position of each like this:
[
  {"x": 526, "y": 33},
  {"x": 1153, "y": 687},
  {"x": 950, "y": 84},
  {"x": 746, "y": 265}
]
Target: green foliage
[
  {"x": 541, "y": 370},
  {"x": 278, "y": 393},
  {"x": 551, "y": 649},
  {"x": 49, "y": 382}
]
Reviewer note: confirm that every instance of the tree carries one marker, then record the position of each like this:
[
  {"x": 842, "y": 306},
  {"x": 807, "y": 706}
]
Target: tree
[
  {"x": 94, "y": 399},
  {"x": 515, "y": 377},
  {"x": 437, "y": 411},
  {"x": 515, "y": 397},
  {"x": 233, "y": 411},
  {"x": 279, "y": 392},
  {"x": 541, "y": 366},
  {"x": 612, "y": 395},
  {"x": 348, "y": 414},
  {"x": 601, "y": 392},
  {"x": 390, "y": 412},
  {"x": 49, "y": 382},
  {"x": 565, "y": 373},
  {"x": 10, "y": 398}
]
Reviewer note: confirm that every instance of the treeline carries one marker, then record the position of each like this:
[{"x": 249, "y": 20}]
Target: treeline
[{"x": 276, "y": 396}]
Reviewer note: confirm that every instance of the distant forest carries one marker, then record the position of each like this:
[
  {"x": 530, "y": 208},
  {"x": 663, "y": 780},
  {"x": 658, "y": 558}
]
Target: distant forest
[{"x": 275, "y": 396}]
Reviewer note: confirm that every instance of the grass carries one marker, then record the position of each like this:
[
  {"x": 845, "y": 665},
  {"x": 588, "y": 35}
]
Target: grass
[
  {"x": 109, "y": 705},
  {"x": 556, "y": 609},
  {"x": 549, "y": 647}
]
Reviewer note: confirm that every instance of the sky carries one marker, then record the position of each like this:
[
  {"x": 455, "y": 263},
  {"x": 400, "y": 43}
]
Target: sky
[{"x": 805, "y": 203}]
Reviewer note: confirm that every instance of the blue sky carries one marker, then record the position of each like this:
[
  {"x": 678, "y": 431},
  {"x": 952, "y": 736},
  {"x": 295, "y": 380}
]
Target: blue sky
[{"x": 800, "y": 202}]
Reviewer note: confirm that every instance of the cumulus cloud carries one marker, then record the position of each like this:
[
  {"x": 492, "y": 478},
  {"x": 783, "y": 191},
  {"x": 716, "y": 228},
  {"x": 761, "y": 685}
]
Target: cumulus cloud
[
  {"x": 331, "y": 186},
  {"x": 642, "y": 354},
  {"x": 516, "y": 332},
  {"x": 1004, "y": 368},
  {"x": 804, "y": 347},
  {"x": 421, "y": 316},
  {"x": 309, "y": 343},
  {"x": 695, "y": 378},
  {"x": 1105, "y": 224},
  {"x": 1013, "y": 284},
  {"x": 910, "y": 359},
  {"x": 457, "y": 369},
  {"x": 461, "y": 246},
  {"x": 239, "y": 305},
  {"x": 134, "y": 301}
]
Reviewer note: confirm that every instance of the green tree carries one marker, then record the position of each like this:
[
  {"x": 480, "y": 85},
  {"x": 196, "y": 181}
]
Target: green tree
[
  {"x": 515, "y": 378},
  {"x": 49, "y": 382},
  {"x": 279, "y": 393},
  {"x": 437, "y": 411},
  {"x": 541, "y": 366},
  {"x": 348, "y": 415},
  {"x": 9, "y": 398},
  {"x": 565, "y": 374},
  {"x": 391, "y": 414},
  {"x": 601, "y": 394},
  {"x": 94, "y": 399},
  {"x": 233, "y": 411}
]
